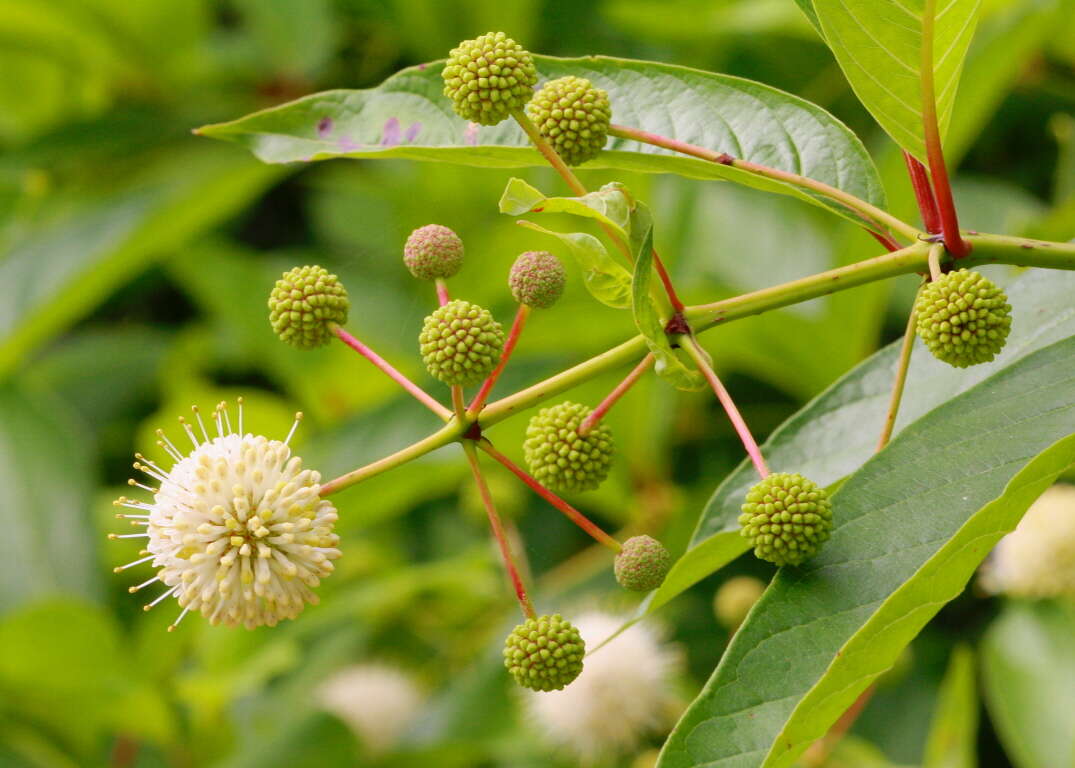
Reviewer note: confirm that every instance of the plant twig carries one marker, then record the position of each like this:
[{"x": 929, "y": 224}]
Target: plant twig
[
  {"x": 572, "y": 514},
  {"x": 873, "y": 215},
  {"x": 498, "y": 532},
  {"x": 942, "y": 188},
  {"x": 621, "y": 389},
  {"x": 419, "y": 394},
  {"x": 690, "y": 345},
  {"x": 449, "y": 433},
  {"x": 443, "y": 297},
  {"x": 934, "y": 261},
  {"x": 517, "y": 325},
  {"x": 901, "y": 376}
]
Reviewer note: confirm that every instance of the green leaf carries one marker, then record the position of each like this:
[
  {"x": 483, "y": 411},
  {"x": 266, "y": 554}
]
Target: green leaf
[
  {"x": 954, "y": 730},
  {"x": 1028, "y": 675},
  {"x": 45, "y": 480},
  {"x": 834, "y": 434},
  {"x": 95, "y": 241},
  {"x": 807, "y": 7},
  {"x": 407, "y": 116},
  {"x": 667, "y": 364},
  {"x": 605, "y": 278},
  {"x": 911, "y": 527},
  {"x": 879, "y": 46},
  {"x": 609, "y": 205}
]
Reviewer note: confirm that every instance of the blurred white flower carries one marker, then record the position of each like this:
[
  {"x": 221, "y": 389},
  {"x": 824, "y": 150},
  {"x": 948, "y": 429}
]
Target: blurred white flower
[
  {"x": 237, "y": 528},
  {"x": 1037, "y": 559},
  {"x": 623, "y": 694},
  {"x": 377, "y": 702}
]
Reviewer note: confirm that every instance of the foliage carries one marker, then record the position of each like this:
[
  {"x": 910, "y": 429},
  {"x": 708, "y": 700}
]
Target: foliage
[{"x": 135, "y": 260}]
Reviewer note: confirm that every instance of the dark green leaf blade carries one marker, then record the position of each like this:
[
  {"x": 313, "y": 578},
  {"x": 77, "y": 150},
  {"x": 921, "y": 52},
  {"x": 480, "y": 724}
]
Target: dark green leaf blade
[
  {"x": 407, "y": 116},
  {"x": 911, "y": 527}
]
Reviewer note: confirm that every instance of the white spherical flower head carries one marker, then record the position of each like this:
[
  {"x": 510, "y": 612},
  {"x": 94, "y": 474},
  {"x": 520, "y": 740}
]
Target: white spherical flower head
[
  {"x": 376, "y": 701},
  {"x": 623, "y": 694},
  {"x": 1037, "y": 559},
  {"x": 236, "y": 529}
]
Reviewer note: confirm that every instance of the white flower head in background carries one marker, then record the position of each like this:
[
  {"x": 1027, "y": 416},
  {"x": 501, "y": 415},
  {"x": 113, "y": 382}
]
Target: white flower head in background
[
  {"x": 236, "y": 528},
  {"x": 623, "y": 694},
  {"x": 377, "y": 702},
  {"x": 1037, "y": 559}
]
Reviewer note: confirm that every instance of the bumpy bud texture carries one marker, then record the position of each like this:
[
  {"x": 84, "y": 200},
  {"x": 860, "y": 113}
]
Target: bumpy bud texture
[
  {"x": 559, "y": 457},
  {"x": 303, "y": 303},
  {"x": 537, "y": 279},
  {"x": 461, "y": 343},
  {"x": 963, "y": 318},
  {"x": 486, "y": 78},
  {"x": 544, "y": 654},
  {"x": 642, "y": 564},
  {"x": 433, "y": 251},
  {"x": 735, "y": 598},
  {"x": 786, "y": 517},
  {"x": 573, "y": 115}
]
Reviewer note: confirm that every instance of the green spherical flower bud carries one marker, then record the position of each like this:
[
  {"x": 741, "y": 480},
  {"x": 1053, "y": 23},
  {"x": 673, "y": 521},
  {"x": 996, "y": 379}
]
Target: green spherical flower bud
[
  {"x": 573, "y": 115},
  {"x": 303, "y": 304},
  {"x": 735, "y": 598},
  {"x": 642, "y": 564},
  {"x": 488, "y": 77},
  {"x": 433, "y": 251},
  {"x": 559, "y": 457},
  {"x": 461, "y": 343},
  {"x": 786, "y": 517},
  {"x": 544, "y": 654},
  {"x": 963, "y": 318},
  {"x": 537, "y": 279}
]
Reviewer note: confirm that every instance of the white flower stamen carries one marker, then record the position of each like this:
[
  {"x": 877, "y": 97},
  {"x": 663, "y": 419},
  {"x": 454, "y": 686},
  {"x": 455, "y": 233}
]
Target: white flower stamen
[{"x": 237, "y": 528}]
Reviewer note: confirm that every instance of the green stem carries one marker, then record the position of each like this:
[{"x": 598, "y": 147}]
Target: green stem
[
  {"x": 987, "y": 249},
  {"x": 449, "y": 433},
  {"x": 901, "y": 376},
  {"x": 871, "y": 213}
]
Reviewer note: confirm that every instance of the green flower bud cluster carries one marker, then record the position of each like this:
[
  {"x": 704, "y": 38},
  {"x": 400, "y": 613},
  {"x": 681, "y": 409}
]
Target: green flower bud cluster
[
  {"x": 303, "y": 303},
  {"x": 642, "y": 564},
  {"x": 559, "y": 457},
  {"x": 544, "y": 654},
  {"x": 461, "y": 343},
  {"x": 573, "y": 115},
  {"x": 963, "y": 317},
  {"x": 433, "y": 252},
  {"x": 488, "y": 77},
  {"x": 786, "y": 517},
  {"x": 537, "y": 279}
]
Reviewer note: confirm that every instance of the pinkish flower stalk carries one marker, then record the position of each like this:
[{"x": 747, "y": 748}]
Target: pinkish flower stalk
[
  {"x": 740, "y": 425},
  {"x": 419, "y": 394},
  {"x": 572, "y": 514},
  {"x": 509, "y": 346},
  {"x": 621, "y": 389}
]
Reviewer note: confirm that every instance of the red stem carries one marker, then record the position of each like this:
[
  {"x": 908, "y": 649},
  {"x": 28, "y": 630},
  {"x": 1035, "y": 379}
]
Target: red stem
[
  {"x": 621, "y": 389},
  {"x": 573, "y": 514},
  {"x": 509, "y": 346},
  {"x": 666, "y": 280},
  {"x": 927, "y": 203},
  {"x": 498, "y": 533},
  {"x": 886, "y": 240},
  {"x": 420, "y": 394},
  {"x": 442, "y": 292},
  {"x": 741, "y": 428},
  {"x": 942, "y": 188}
]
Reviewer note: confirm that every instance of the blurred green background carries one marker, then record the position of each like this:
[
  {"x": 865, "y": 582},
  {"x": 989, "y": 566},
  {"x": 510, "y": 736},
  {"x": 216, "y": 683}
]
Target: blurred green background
[{"x": 135, "y": 260}]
